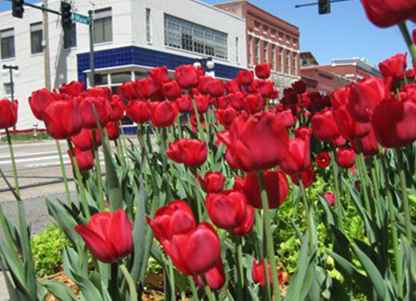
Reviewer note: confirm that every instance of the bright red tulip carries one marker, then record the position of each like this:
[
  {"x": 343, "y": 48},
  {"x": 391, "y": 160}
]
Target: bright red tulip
[
  {"x": 257, "y": 273},
  {"x": 324, "y": 126},
  {"x": 128, "y": 90},
  {"x": 263, "y": 71},
  {"x": 226, "y": 116},
  {"x": 213, "y": 182},
  {"x": 266, "y": 88},
  {"x": 245, "y": 77},
  {"x": 215, "y": 88},
  {"x": 159, "y": 75},
  {"x": 108, "y": 235},
  {"x": 113, "y": 130},
  {"x": 171, "y": 90},
  {"x": 394, "y": 67},
  {"x": 214, "y": 277},
  {"x": 385, "y": 13},
  {"x": 247, "y": 224},
  {"x": 38, "y": 102},
  {"x": 84, "y": 141},
  {"x": 73, "y": 88},
  {"x": 117, "y": 108},
  {"x": 298, "y": 154},
  {"x": 330, "y": 198},
  {"x": 186, "y": 76},
  {"x": 254, "y": 103},
  {"x": 138, "y": 111},
  {"x": 236, "y": 100},
  {"x": 146, "y": 88},
  {"x": 8, "y": 113},
  {"x": 164, "y": 113},
  {"x": 190, "y": 152},
  {"x": 184, "y": 104},
  {"x": 84, "y": 159},
  {"x": 345, "y": 157},
  {"x": 323, "y": 159},
  {"x": 307, "y": 176},
  {"x": 232, "y": 86},
  {"x": 102, "y": 109},
  {"x": 63, "y": 119}
]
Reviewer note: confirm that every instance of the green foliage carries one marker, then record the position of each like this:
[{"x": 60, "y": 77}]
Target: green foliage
[
  {"x": 47, "y": 249},
  {"x": 27, "y": 137}
]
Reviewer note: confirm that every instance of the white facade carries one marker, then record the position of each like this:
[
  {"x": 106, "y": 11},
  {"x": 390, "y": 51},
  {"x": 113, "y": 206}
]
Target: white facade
[{"x": 133, "y": 22}]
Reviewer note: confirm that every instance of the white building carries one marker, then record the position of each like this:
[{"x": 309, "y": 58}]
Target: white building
[{"x": 131, "y": 36}]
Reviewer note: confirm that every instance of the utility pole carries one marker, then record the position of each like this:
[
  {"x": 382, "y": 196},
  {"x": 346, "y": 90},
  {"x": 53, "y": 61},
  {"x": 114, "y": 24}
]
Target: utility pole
[
  {"x": 46, "y": 52},
  {"x": 11, "y": 68},
  {"x": 92, "y": 53}
]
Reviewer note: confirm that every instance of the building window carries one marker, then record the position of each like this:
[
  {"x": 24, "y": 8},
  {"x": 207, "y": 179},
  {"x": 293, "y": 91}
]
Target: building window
[
  {"x": 282, "y": 60},
  {"x": 257, "y": 53},
  {"x": 288, "y": 69},
  {"x": 249, "y": 50},
  {"x": 120, "y": 77},
  {"x": 189, "y": 36},
  {"x": 273, "y": 62},
  {"x": 148, "y": 26},
  {"x": 265, "y": 52},
  {"x": 7, "y": 43},
  {"x": 7, "y": 87},
  {"x": 36, "y": 37},
  {"x": 70, "y": 37},
  {"x": 237, "y": 50},
  {"x": 103, "y": 26}
]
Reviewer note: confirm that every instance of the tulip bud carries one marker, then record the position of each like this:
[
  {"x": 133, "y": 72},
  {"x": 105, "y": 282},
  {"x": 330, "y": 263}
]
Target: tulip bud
[{"x": 8, "y": 113}]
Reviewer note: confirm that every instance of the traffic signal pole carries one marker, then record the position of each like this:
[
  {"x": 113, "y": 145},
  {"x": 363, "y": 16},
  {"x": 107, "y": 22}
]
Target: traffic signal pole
[
  {"x": 92, "y": 53},
  {"x": 46, "y": 52}
]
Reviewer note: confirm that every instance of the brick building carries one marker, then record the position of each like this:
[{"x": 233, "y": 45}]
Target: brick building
[{"x": 269, "y": 40}]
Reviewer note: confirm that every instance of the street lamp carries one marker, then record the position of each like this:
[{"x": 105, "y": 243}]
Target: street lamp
[
  {"x": 11, "y": 68},
  {"x": 208, "y": 64}
]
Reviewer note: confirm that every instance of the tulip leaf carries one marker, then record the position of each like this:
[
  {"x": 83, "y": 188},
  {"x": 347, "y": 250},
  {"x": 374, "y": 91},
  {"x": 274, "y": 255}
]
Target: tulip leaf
[
  {"x": 372, "y": 272},
  {"x": 59, "y": 290}
]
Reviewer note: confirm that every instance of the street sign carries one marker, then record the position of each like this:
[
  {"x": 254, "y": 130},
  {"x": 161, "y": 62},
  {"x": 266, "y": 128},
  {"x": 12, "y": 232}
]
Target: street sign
[{"x": 80, "y": 18}]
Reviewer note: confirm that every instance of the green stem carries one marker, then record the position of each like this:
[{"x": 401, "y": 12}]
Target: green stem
[
  {"x": 101, "y": 204},
  {"x": 13, "y": 159},
  {"x": 407, "y": 38},
  {"x": 130, "y": 282},
  {"x": 240, "y": 273},
  {"x": 208, "y": 292},
  {"x": 193, "y": 289},
  {"x": 198, "y": 120},
  {"x": 113, "y": 282},
  {"x": 338, "y": 203},
  {"x": 269, "y": 237},
  {"x": 403, "y": 186},
  {"x": 63, "y": 171},
  {"x": 171, "y": 281}
]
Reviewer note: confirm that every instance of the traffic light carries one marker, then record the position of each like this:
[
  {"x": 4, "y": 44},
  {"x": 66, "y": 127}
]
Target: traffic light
[
  {"x": 17, "y": 8},
  {"x": 66, "y": 15},
  {"x": 324, "y": 7}
]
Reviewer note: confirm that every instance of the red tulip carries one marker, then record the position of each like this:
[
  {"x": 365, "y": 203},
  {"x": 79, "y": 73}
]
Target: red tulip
[
  {"x": 213, "y": 182},
  {"x": 202, "y": 103},
  {"x": 348, "y": 127},
  {"x": 393, "y": 123},
  {"x": 263, "y": 71},
  {"x": 186, "y": 76},
  {"x": 307, "y": 176},
  {"x": 184, "y": 104},
  {"x": 146, "y": 88},
  {"x": 245, "y": 77},
  {"x": 364, "y": 98},
  {"x": 323, "y": 159},
  {"x": 108, "y": 235},
  {"x": 248, "y": 136},
  {"x": 226, "y": 210},
  {"x": 84, "y": 159},
  {"x": 95, "y": 92},
  {"x": 117, "y": 108},
  {"x": 266, "y": 88},
  {"x": 159, "y": 75},
  {"x": 236, "y": 100},
  {"x": 299, "y": 86},
  {"x": 298, "y": 155},
  {"x": 215, "y": 88},
  {"x": 214, "y": 277},
  {"x": 226, "y": 116},
  {"x": 276, "y": 186},
  {"x": 385, "y": 13},
  {"x": 63, "y": 119},
  {"x": 254, "y": 103},
  {"x": 195, "y": 252},
  {"x": 138, "y": 111},
  {"x": 232, "y": 86},
  {"x": 174, "y": 218},
  {"x": 247, "y": 224},
  {"x": 324, "y": 126},
  {"x": 8, "y": 113},
  {"x": 38, "y": 102},
  {"x": 73, "y": 88},
  {"x": 257, "y": 272},
  {"x": 330, "y": 198},
  {"x": 171, "y": 90},
  {"x": 128, "y": 90},
  {"x": 164, "y": 114},
  {"x": 84, "y": 141},
  {"x": 394, "y": 67},
  {"x": 345, "y": 157},
  {"x": 190, "y": 152},
  {"x": 102, "y": 109},
  {"x": 203, "y": 83},
  {"x": 113, "y": 130}
]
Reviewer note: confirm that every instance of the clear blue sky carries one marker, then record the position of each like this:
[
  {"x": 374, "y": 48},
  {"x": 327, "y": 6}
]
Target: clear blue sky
[{"x": 344, "y": 33}]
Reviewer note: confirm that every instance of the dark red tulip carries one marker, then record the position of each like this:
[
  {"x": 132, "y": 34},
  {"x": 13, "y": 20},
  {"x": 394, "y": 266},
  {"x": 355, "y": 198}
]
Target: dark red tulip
[
  {"x": 216, "y": 88},
  {"x": 364, "y": 98},
  {"x": 323, "y": 159},
  {"x": 214, "y": 277},
  {"x": 307, "y": 176},
  {"x": 330, "y": 198},
  {"x": 73, "y": 88},
  {"x": 257, "y": 272},
  {"x": 348, "y": 127},
  {"x": 263, "y": 71},
  {"x": 113, "y": 130},
  {"x": 190, "y": 152},
  {"x": 324, "y": 126},
  {"x": 394, "y": 67},
  {"x": 38, "y": 102},
  {"x": 108, "y": 235},
  {"x": 195, "y": 252},
  {"x": 102, "y": 109},
  {"x": 128, "y": 90},
  {"x": 186, "y": 76},
  {"x": 174, "y": 218},
  {"x": 298, "y": 154},
  {"x": 171, "y": 90},
  {"x": 276, "y": 186},
  {"x": 84, "y": 159},
  {"x": 213, "y": 182},
  {"x": 385, "y": 13},
  {"x": 299, "y": 86},
  {"x": 164, "y": 114},
  {"x": 345, "y": 157},
  {"x": 138, "y": 111},
  {"x": 394, "y": 123},
  {"x": 226, "y": 210},
  {"x": 8, "y": 113},
  {"x": 63, "y": 119},
  {"x": 247, "y": 224},
  {"x": 84, "y": 141},
  {"x": 184, "y": 104},
  {"x": 117, "y": 108},
  {"x": 248, "y": 136},
  {"x": 245, "y": 77}
]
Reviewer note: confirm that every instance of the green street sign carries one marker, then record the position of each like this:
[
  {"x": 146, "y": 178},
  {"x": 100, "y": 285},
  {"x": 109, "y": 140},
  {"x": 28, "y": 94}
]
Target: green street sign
[{"x": 78, "y": 18}]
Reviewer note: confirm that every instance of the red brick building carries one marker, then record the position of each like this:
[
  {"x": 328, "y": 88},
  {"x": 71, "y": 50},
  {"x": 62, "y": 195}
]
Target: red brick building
[{"x": 269, "y": 40}]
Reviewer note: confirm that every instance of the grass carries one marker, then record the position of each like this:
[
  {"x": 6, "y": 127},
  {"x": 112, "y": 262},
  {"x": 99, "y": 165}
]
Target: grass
[{"x": 26, "y": 137}]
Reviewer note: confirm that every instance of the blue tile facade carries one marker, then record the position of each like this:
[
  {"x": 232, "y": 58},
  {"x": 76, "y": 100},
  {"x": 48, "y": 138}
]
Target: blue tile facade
[{"x": 133, "y": 55}]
